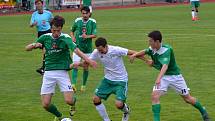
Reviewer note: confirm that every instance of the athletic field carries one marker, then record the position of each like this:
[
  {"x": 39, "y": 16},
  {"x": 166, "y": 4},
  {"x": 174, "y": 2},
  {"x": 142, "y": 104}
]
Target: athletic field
[{"x": 193, "y": 43}]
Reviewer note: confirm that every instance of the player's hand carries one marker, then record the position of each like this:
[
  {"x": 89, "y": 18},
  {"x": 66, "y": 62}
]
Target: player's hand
[
  {"x": 149, "y": 62},
  {"x": 73, "y": 39},
  {"x": 157, "y": 82},
  {"x": 84, "y": 36},
  {"x": 34, "y": 24},
  {"x": 131, "y": 58},
  {"x": 93, "y": 63}
]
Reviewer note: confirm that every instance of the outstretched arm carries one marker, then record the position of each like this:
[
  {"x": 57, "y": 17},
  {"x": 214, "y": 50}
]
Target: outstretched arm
[
  {"x": 32, "y": 46},
  {"x": 83, "y": 56}
]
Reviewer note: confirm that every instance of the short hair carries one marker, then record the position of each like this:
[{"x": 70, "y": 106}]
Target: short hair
[
  {"x": 101, "y": 41},
  {"x": 85, "y": 8},
  {"x": 155, "y": 35},
  {"x": 57, "y": 21},
  {"x": 36, "y": 1}
]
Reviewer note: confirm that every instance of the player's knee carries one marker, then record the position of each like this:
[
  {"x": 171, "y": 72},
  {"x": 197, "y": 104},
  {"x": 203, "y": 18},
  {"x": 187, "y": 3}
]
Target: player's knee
[
  {"x": 119, "y": 104},
  {"x": 155, "y": 96},
  {"x": 68, "y": 101},
  {"x": 189, "y": 99},
  {"x": 96, "y": 100}
]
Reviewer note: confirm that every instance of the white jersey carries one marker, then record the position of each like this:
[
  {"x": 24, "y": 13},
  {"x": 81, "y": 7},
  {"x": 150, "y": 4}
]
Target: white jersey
[{"x": 114, "y": 68}]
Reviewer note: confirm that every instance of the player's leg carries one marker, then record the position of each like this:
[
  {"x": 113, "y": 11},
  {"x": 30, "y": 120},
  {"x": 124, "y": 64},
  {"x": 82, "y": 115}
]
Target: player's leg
[
  {"x": 47, "y": 89},
  {"x": 194, "y": 102},
  {"x": 197, "y": 4},
  {"x": 121, "y": 95},
  {"x": 100, "y": 107},
  {"x": 85, "y": 76},
  {"x": 102, "y": 92},
  {"x": 193, "y": 12},
  {"x": 180, "y": 86},
  {"x": 65, "y": 86},
  {"x": 76, "y": 61},
  {"x": 158, "y": 91}
]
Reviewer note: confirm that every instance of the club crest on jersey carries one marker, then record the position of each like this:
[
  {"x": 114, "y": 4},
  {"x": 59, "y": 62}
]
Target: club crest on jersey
[{"x": 54, "y": 46}]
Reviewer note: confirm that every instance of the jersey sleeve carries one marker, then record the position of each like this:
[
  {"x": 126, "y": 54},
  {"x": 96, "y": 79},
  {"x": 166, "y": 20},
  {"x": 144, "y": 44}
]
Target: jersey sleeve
[
  {"x": 41, "y": 39},
  {"x": 94, "y": 55},
  {"x": 94, "y": 32},
  {"x": 71, "y": 45},
  {"x": 165, "y": 58},
  {"x": 121, "y": 51},
  {"x": 32, "y": 19},
  {"x": 147, "y": 51},
  {"x": 74, "y": 27}
]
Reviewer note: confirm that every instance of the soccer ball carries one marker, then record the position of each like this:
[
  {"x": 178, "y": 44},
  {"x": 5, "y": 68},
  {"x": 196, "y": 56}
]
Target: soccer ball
[{"x": 66, "y": 119}]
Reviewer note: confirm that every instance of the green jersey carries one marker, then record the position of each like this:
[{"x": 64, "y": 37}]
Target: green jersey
[
  {"x": 163, "y": 56},
  {"x": 87, "y": 2},
  {"x": 89, "y": 28},
  {"x": 57, "y": 55}
]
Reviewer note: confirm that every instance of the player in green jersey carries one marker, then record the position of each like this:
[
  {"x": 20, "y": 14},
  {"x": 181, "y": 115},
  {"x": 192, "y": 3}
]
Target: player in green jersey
[
  {"x": 195, "y": 9},
  {"x": 82, "y": 33},
  {"x": 163, "y": 59},
  {"x": 57, "y": 63}
]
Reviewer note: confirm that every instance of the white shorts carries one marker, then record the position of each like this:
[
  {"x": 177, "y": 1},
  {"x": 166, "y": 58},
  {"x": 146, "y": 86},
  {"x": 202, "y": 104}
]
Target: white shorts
[
  {"x": 76, "y": 58},
  {"x": 51, "y": 78},
  {"x": 176, "y": 82}
]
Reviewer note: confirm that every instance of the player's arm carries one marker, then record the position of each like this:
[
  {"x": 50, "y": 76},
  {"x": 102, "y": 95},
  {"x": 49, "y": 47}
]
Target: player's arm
[
  {"x": 139, "y": 55},
  {"x": 87, "y": 60},
  {"x": 162, "y": 72},
  {"x": 72, "y": 34},
  {"x": 33, "y": 22},
  {"x": 32, "y": 46}
]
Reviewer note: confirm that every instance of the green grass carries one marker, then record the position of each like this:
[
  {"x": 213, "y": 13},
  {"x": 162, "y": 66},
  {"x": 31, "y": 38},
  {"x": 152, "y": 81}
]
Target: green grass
[{"x": 193, "y": 43}]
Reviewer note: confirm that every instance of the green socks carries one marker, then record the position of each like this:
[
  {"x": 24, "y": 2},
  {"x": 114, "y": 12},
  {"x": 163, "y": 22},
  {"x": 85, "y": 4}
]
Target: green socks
[
  {"x": 199, "y": 107},
  {"x": 85, "y": 77},
  {"x": 74, "y": 76},
  {"x": 156, "y": 110},
  {"x": 53, "y": 109}
]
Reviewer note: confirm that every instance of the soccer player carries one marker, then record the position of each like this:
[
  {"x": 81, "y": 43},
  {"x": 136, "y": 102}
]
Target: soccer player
[
  {"x": 41, "y": 19},
  {"x": 195, "y": 5},
  {"x": 57, "y": 63},
  {"x": 82, "y": 33},
  {"x": 87, "y": 3},
  {"x": 115, "y": 80},
  {"x": 163, "y": 59}
]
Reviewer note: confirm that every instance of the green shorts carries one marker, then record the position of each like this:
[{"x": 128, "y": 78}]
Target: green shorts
[
  {"x": 108, "y": 87},
  {"x": 195, "y": 4}
]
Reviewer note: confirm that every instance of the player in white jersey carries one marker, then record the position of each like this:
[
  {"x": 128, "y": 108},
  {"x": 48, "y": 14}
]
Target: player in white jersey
[
  {"x": 115, "y": 79},
  {"x": 194, "y": 5}
]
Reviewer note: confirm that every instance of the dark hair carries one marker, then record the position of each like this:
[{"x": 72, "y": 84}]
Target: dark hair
[
  {"x": 57, "y": 21},
  {"x": 101, "y": 42},
  {"x": 36, "y": 1},
  {"x": 155, "y": 35},
  {"x": 85, "y": 8}
]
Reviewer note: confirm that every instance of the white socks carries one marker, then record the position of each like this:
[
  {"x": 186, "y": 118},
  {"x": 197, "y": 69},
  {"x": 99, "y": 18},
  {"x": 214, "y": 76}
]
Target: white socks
[{"x": 102, "y": 112}]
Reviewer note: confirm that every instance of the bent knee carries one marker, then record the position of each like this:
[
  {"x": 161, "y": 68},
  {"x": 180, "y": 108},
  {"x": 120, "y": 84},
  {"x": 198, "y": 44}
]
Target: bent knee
[
  {"x": 119, "y": 104},
  {"x": 96, "y": 100}
]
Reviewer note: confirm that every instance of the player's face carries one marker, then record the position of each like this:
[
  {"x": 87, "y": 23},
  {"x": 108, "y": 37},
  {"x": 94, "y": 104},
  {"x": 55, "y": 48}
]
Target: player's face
[
  {"x": 154, "y": 44},
  {"x": 56, "y": 31},
  {"x": 85, "y": 15},
  {"x": 39, "y": 5},
  {"x": 102, "y": 50}
]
